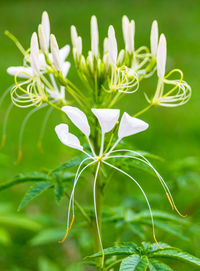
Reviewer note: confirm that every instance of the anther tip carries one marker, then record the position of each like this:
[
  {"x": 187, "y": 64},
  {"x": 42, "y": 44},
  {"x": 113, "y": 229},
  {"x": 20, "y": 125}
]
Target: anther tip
[
  {"x": 3, "y": 140},
  {"x": 19, "y": 157},
  {"x": 39, "y": 145}
]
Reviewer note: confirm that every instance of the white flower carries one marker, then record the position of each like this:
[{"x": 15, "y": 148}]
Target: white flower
[
  {"x": 161, "y": 56},
  {"x": 107, "y": 118},
  {"x": 154, "y": 38}
]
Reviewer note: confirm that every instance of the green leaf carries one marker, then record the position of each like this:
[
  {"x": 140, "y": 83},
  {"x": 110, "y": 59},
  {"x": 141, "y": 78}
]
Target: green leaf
[
  {"x": 34, "y": 192},
  {"x": 175, "y": 254},
  {"x": 20, "y": 221},
  {"x": 118, "y": 250},
  {"x": 60, "y": 191},
  {"x": 134, "y": 263},
  {"x": 4, "y": 237},
  {"x": 155, "y": 265},
  {"x": 27, "y": 177},
  {"x": 72, "y": 163},
  {"x": 47, "y": 236},
  {"x": 47, "y": 265}
]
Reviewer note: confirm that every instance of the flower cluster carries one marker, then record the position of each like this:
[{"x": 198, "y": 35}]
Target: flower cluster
[
  {"x": 42, "y": 66},
  {"x": 108, "y": 119}
]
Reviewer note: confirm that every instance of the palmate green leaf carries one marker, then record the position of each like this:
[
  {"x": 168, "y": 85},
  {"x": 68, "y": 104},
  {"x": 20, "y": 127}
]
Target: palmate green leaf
[
  {"x": 175, "y": 254},
  {"x": 118, "y": 250},
  {"x": 34, "y": 192},
  {"x": 155, "y": 265},
  {"x": 27, "y": 177},
  {"x": 134, "y": 263}
]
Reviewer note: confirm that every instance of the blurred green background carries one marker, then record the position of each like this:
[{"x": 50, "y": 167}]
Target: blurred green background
[{"x": 174, "y": 134}]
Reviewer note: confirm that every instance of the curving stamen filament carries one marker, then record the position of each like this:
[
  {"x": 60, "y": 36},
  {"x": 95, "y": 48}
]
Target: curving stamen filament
[
  {"x": 23, "y": 128},
  {"x": 144, "y": 194},
  {"x": 163, "y": 183}
]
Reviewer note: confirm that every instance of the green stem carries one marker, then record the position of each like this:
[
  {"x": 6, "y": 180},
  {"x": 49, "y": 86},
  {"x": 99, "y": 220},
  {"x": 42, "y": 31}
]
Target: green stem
[{"x": 143, "y": 111}]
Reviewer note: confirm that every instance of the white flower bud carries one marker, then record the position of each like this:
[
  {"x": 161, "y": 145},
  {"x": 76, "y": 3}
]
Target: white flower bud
[
  {"x": 90, "y": 61},
  {"x": 161, "y": 56},
  {"x": 74, "y": 36},
  {"x": 46, "y": 27},
  {"x": 79, "y": 46},
  {"x": 130, "y": 37},
  {"x": 94, "y": 36},
  {"x": 42, "y": 39},
  {"x": 112, "y": 46},
  {"x": 154, "y": 38},
  {"x": 34, "y": 54},
  {"x": 55, "y": 52},
  {"x": 125, "y": 23}
]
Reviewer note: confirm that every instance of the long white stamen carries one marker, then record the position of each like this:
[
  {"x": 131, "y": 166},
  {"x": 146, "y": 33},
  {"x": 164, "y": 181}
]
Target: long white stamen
[
  {"x": 5, "y": 124},
  {"x": 166, "y": 188},
  {"x": 44, "y": 125},
  {"x": 77, "y": 176},
  {"x": 91, "y": 147},
  {"x": 144, "y": 194},
  {"x": 23, "y": 127},
  {"x": 95, "y": 211}
]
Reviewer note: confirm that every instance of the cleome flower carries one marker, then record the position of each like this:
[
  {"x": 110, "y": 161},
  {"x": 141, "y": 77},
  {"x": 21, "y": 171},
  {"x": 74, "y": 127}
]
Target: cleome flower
[
  {"x": 179, "y": 92},
  {"x": 108, "y": 119},
  {"x": 42, "y": 66},
  {"x": 115, "y": 71}
]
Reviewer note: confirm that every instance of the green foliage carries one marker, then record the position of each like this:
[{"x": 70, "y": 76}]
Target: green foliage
[
  {"x": 140, "y": 258},
  {"x": 34, "y": 192}
]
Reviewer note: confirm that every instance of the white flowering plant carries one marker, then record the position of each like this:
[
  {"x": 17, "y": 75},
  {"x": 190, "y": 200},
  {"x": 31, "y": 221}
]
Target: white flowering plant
[{"x": 107, "y": 75}]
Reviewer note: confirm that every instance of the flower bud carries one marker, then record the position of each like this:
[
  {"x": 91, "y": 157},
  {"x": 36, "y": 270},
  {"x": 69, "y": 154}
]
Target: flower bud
[
  {"x": 161, "y": 56},
  {"x": 34, "y": 54},
  {"x": 74, "y": 36},
  {"x": 55, "y": 52},
  {"x": 94, "y": 36},
  {"x": 154, "y": 38},
  {"x": 112, "y": 46},
  {"x": 42, "y": 39},
  {"x": 46, "y": 27}
]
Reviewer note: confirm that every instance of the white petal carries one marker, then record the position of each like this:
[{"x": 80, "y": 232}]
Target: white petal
[
  {"x": 154, "y": 38},
  {"x": 130, "y": 126},
  {"x": 107, "y": 118},
  {"x": 64, "y": 52},
  {"x": 34, "y": 55},
  {"x": 130, "y": 37},
  {"x": 78, "y": 118},
  {"x": 22, "y": 72},
  {"x": 46, "y": 26},
  {"x": 55, "y": 52},
  {"x": 65, "y": 68},
  {"x": 68, "y": 139},
  {"x": 94, "y": 36},
  {"x": 161, "y": 56},
  {"x": 112, "y": 46}
]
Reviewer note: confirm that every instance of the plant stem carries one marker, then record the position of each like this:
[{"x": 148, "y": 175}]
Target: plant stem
[{"x": 143, "y": 111}]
